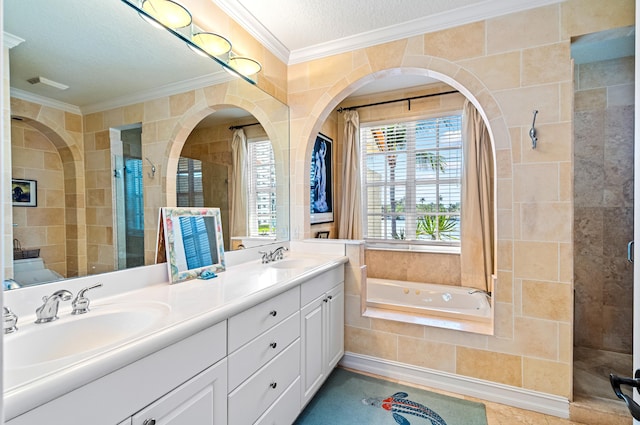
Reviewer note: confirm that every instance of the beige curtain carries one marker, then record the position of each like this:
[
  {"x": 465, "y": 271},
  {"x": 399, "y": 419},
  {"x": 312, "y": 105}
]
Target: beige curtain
[
  {"x": 351, "y": 208},
  {"x": 477, "y": 220},
  {"x": 238, "y": 186}
]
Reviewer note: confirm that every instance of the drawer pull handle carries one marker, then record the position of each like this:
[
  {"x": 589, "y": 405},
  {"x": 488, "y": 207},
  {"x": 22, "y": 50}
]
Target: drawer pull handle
[
  {"x": 273, "y": 385},
  {"x": 273, "y": 313},
  {"x": 149, "y": 422},
  {"x": 330, "y": 297},
  {"x": 273, "y": 345},
  {"x": 325, "y": 300}
]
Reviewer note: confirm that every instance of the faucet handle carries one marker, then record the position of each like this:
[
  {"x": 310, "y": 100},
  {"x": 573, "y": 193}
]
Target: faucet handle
[
  {"x": 9, "y": 321},
  {"x": 80, "y": 303},
  {"x": 266, "y": 257}
]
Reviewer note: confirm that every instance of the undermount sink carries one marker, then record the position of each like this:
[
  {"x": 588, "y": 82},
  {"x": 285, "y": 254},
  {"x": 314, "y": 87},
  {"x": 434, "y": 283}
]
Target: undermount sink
[
  {"x": 293, "y": 263},
  {"x": 74, "y": 336}
]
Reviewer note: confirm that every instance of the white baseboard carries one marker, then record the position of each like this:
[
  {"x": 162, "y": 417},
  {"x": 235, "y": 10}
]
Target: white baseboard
[{"x": 485, "y": 390}]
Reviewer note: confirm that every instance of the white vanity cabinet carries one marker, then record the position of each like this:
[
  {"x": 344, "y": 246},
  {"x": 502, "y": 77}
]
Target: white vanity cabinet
[
  {"x": 321, "y": 330},
  {"x": 264, "y": 357},
  {"x": 179, "y": 381},
  {"x": 260, "y": 366}
]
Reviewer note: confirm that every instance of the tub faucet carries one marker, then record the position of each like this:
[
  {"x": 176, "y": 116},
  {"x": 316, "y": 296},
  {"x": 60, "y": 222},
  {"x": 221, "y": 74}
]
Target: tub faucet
[
  {"x": 48, "y": 312},
  {"x": 9, "y": 321}
]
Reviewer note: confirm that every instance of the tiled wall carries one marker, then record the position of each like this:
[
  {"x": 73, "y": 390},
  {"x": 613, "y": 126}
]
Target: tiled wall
[
  {"x": 34, "y": 157},
  {"x": 509, "y": 66},
  {"x": 63, "y": 205},
  {"x": 603, "y": 204}
]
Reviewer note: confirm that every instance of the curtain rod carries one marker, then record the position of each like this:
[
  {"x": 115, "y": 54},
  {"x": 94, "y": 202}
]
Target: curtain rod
[
  {"x": 408, "y": 99},
  {"x": 237, "y": 127}
]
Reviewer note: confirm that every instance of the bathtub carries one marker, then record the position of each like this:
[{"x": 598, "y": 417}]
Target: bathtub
[{"x": 429, "y": 299}]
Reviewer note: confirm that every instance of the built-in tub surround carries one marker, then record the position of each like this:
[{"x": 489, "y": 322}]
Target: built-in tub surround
[
  {"x": 429, "y": 299},
  {"x": 179, "y": 310}
]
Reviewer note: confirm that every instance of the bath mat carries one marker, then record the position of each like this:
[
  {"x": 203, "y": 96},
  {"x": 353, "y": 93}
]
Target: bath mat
[{"x": 349, "y": 398}]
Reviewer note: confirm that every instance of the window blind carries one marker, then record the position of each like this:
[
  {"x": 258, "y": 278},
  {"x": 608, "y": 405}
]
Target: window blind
[
  {"x": 262, "y": 188},
  {"x": 411, "y": 173}
]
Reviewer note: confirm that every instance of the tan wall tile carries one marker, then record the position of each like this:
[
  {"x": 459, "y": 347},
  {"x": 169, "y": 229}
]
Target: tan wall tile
[
  {"x": 372, "y": 343},
  {"x": 497, "y": 72},
  {"x": 535, "y": 182},
  {"x": 547, "y": 300},
  {"x": 520, "y": 30},
  {"x": 586, "y": 16},
  {"x": 533, "y": 337},
  {"x": 492, "y": 366},
  {"x": 461, "y": 42},
  {"x": 546, "y": 221},
  {"x": 547, "y": 376},
  {"x": 536, "y": 260},
  {"x": 535, "y": 64},
  {"x": 427, "y": 354}
]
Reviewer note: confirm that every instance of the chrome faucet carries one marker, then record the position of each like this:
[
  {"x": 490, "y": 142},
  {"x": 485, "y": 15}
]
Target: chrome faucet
[
  {"x": 48, "y": 312},
  {"x": 276, "y": 254},
  {"x": 80, "y": 303},
  {"x": 9, "y": 321}
]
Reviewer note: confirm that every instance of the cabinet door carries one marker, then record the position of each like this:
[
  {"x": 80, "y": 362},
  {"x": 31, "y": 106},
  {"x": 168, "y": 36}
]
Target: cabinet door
[
  {"x": 311, "y": 336},
  {"x": 200, "y": 401},
  {"x": 335, "y": 327}
]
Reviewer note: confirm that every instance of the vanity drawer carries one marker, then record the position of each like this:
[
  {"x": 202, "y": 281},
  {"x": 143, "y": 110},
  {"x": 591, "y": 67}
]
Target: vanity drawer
[
  {"x": 317, "y": 286},
  {"x": 256, "y": 394},
  {"x": 245, "y": 326},
  {"x": 252, "y": 356},
  {"x": 285, "y": 410}
]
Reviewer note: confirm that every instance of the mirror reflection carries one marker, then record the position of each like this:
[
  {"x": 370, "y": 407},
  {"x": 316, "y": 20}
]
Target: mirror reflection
[
  {"x": 231, "y": 164},
  {"x": 106, "y": 155}
]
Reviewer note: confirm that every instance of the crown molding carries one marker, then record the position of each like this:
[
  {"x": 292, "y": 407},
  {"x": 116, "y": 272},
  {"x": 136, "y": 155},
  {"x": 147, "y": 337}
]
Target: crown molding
[
  {"x": 449, "y": 19},
  {"x": 45, "y": 101},
  {"x": 143, "y": 96},
  {"x": 9, "y": 40},
  {"x": 158, "y": 92},
  {"x": 246, "y": 20}
]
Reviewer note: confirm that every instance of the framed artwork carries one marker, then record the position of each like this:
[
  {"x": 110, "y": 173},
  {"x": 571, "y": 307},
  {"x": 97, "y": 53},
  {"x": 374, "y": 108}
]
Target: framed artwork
[
  {"x": 24, "y": 193},
  {"x": 322, "y": 180},
  {"x": 322, "y": 235}
]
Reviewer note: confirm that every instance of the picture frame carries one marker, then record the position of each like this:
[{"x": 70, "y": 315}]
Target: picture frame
[
  {"x": 322, "y": 234},
  {"x": 192, "y": 241},
  {"x": 24, "y": 193},
  {"x": 321, "y": 190}
]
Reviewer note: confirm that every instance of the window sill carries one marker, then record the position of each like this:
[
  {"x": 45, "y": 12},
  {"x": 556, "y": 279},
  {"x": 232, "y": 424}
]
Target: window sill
[{"x": 442, "y": 249}]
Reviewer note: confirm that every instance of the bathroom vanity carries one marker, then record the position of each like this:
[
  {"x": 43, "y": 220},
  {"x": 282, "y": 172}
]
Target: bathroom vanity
[{"x": 251, "y": 346}]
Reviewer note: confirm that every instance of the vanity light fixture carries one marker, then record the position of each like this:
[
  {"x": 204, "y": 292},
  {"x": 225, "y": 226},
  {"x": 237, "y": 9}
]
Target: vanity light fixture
[
  {"x": 163, "y": 13},
  {"x": 244, "y": 66},
  {"x": 168, "y": 13},
  {"x": 213, "y": 44}
]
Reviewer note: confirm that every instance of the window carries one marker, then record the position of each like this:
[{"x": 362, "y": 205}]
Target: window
[
  {"x": 262, "y": 189},
  {"x": 134, "y": 205},
  {"x": 189, "y": 183},
  {"x": 411, "y": 174}
]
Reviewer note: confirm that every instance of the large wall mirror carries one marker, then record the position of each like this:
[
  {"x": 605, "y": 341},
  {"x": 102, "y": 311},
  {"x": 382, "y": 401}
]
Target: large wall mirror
[{"x": 102, "y": 168}]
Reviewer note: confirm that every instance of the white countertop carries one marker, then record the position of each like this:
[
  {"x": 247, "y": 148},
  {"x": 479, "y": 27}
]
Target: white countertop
[{"x": 189, "y": 307}]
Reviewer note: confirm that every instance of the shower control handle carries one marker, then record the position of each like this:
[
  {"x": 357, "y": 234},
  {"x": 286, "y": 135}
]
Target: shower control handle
[{"x": 616, "y": 381}]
